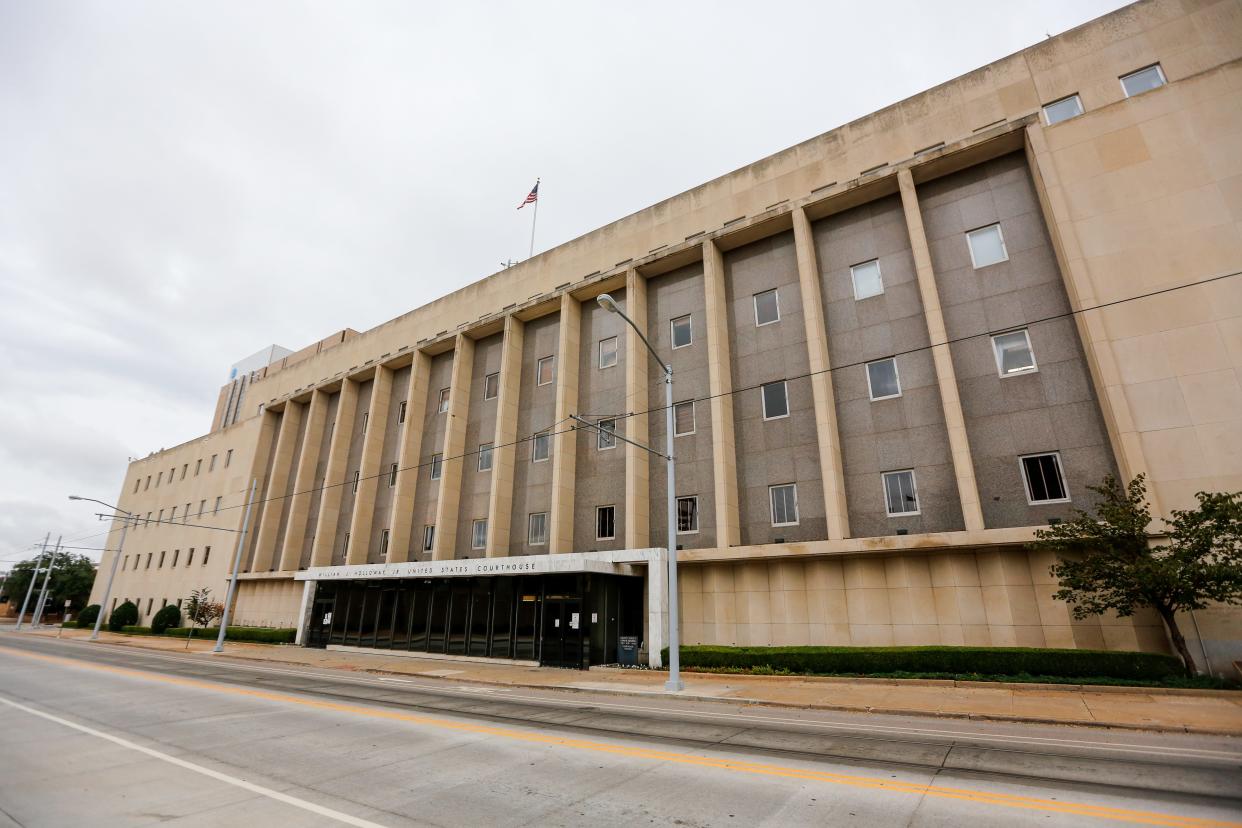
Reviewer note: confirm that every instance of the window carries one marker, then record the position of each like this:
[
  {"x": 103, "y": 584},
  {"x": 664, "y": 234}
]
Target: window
[
  {"x": 189, "y": 557},
  {"x": 1062, "y": 110},
  {"x": 683, "y": 418},
  {"x": 1144, "y": 80},
  {"x": 148, "y": 483},
  {"x": 784, "y": 500},
  {"x": 206, "y": 554},
  {"x": 184, "y": 468},
  {"x": 608, "y": 352},
  {"x": 767, "y": 308},
  {"x": 160, "y": 517},
  {"x": 150, "y": 602},
  {"x": 345, "y": 545},
  {"x": 606, "y": 437},
  {"x": 366, "y": 417},
  {"x": 867, "y": 279},
  {"x": 478, "y": 534},
  {"x": 148, "y": 566},
  {"x": 1013, "y": 353},
  {"x": 683, "y": 331},
  {"x": 437, "y": 466},
  {"x": 185, "y": 516},
  {"x": 173, "y": 516},
  {"x": 544, "y": 370},
  {"x": 383, "y": 552},
  {"x": 160, "y": 565},
  {"x": 987, "y": 246},
  {"x": 491, "y": 386},
  {"x": 401, "y": 412},
  {"x": 159, "y": 478},
  {"x": 485, "y": 457},
  {"x": 176, "y": 554},
  {"x": 605, "y": 522},
  {"x": 429, "y": 536},
  {"x": 775, "y": 400},
  {"x": 125, "y": 562},
  {"x": 228, "y": 458},
  {"x": 198, "y": 465},
  {"x": 444, "y": 400},
  {"x": 170, "y": 473},
  {"x": 1041, "y": 474},
  {"x": 882, "y": 380},
  {"x": 217, "y": 508},
  {"x": 900, "y": 496},
  {"x": 137, "y": 560},
  {"x": 212, "y": 465},
  {"x": 392, "y": 475},
  {"x": 687, "y": 515},
  {"x": 148, "y": 523},
  {"x": 541, "y": 447},
  {"x": 357, "y": 477},
  {"x": 137, "y": 483},
  {"x": 537, "y": 529}
]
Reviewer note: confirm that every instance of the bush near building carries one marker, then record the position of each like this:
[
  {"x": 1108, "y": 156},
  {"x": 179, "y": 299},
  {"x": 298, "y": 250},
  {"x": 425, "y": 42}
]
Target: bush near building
[
  {"x": 88, "y": 616},
  {"x": 258, "y": 635},
  {"x": 168, "y": 616},
  {"x": 126, "y": 615}
]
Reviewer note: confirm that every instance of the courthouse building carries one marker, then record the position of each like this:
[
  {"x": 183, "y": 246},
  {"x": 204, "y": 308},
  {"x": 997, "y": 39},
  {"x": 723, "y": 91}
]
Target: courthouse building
[{"x": 898, "y": 349}]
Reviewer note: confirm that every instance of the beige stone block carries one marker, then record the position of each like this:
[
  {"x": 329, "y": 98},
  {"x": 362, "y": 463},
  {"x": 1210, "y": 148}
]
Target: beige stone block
[
  {"x": 1088, "y": 636},
  {"x": 754, "y": 635},
  {"x": 941, "y": 567},
  {"x": 724, "y": 633},
  {"x": 900, "y": 610},
  {"x": 752, "y": 576},
  {"x": 991, "y": 572},
  {"x": 692, "y": 632},
  {"x": 690, "y": 606},
  {"x": 827, "y": 606},
  {"x": 976, "y": 635},
  {"x": 996, "y": 605},
  {"x": 1212, "y": 397},
  {"x": 1023, "y": 608},
  {"x": 1059, "y": 637},
  {"x": 965, "y": 569},
  {"x": 970, "y": 606},
  {"x": 1195, "y": 349},
  {"x": 946, "y": 604},
  {"x": 895, "y": 573},
  {"x": 718, "y": 578},
  {"x": 1156, "y": 640},
  {"x": 1173, "y": 454},
  {"x": 871, "y": 635},
  {"x": 1028, "y": 636},
  {"x": 689, "y": 579},
  {"x": 951, "y": 635},
  {"x": 824, "y": 574},
  {"x": 1002, "y": 635},
  {"x": 864, "y": 573},
  {"x": 923, "y": 605},
  {"x": 787, "y": 575},
  {"x": 1221, "y": 444},
  {"x": 1015, "y": 566},
  {"x": 1119, "y": 637},
  {"x": 796, "y": 609},
  {"x": 790, "y": 634}
]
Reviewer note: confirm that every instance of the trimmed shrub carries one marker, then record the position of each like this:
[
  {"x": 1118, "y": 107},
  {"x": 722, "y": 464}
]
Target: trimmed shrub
[
  {"x": 126, "y": 615},
  {"x": 991, "y": 661},
  {"x": 168, "y": 616},
  {"x": 86, "y": 618},
  {"x": 133, "y": 629},
  {"x": 69, "y": 625},
  {"x": 258, "y": 635}
]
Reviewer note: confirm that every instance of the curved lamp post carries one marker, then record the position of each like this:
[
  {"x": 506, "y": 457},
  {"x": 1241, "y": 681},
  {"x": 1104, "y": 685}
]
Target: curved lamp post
[{"x": 115, "y": 560}]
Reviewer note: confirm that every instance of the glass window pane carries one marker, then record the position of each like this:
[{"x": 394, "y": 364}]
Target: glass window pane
[
  {"x": 604, "y": 438},
  {"x": 537, "y": 529},
  {"x": 987, "y": 246},
  {"x": 683, "y": 418},
  {"x": 1013, "y": 353},
  {"x": 683, "y": 333},
  {"x": 882, "y": 379},
  {"x": 775, "y": 401},
  {"x": 867, "y": 279},
  {"x": 429, "y": 536},
  {"x": 541, "y": 447},
  {"x": 767, "y": 308},
  {"x": 687, "y": 514},
  {"x": 1144, "y": 80},
  {"x": 608, "y": 352},
  {"x": 437, "y": 466},
  {"x": 605, "y": 523},
  {"x": 478, "y": 535},
  {"x": 444, "y": 400},
  {"x": 1062, "y": 110},
  {"x": 544, "y": 371},
  {"x": 1044, "y": 481},
  {"x": 491, "y": 386},
  {"x": 485, "y": 457},
  {"x": 899, "y": 493},
  {"x": 784, "y": 504}
]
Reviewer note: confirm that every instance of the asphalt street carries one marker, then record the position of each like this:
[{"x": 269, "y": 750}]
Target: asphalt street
[{"x": 105, "y": 735}]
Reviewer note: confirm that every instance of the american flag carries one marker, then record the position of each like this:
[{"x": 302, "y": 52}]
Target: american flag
[{"x": 532, "y": 197}]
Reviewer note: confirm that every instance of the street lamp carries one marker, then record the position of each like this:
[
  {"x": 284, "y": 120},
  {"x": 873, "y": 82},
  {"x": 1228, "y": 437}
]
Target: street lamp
[
  {"x": 115, "y": 560},
  {"x": 674, "y": 682}
]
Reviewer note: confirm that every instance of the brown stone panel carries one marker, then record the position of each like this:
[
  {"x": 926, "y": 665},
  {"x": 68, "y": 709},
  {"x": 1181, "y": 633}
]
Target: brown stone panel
[
  {"x": 277, "y": 488},
  {"x": 454, "y": 445},
  {"x": 401, "y": 532},
  {"x": 334, "y": 474},
  {"x": 304, "y": 480},
  {"x": 599, "y": 473},
  {"x": 565, "y": 440},
  {"x": 637, "y": 462},
  {"x": 506, "y": 452},
  {"x": 368, "y": 468},
  {"x": 476, "y": 487}
]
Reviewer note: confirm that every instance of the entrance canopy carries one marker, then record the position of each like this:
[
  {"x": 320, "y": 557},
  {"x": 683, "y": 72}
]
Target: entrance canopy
[{"x": 619, "y": 562}]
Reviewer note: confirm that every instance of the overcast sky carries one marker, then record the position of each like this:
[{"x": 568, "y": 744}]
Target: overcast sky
[{"x": 182, "y": 184}]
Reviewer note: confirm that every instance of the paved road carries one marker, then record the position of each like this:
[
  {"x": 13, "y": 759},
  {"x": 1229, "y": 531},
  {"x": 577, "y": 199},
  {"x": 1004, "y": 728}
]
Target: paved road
[{"x": 101, "y": 735}]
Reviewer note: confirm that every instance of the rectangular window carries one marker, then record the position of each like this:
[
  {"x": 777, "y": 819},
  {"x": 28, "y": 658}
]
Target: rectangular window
[
  {"x": 366, "y": 417},
  {"x": 202, "y": 507},
  {"x": 185, "y": 516},
  {"x": 429, "y": 536},
  {"x": 137, "y": 560},
  {"x": 148, "y": 566},
  {"x": 608, "y": 352},
  {"x": 775, "y": 400},
  {"x": 1041, "y": 474},
  {"x": 176, "y": 554},
  {"x": 383, "y": 551},
  {"x": 401, "y": 412},
  {"x": 1062, "y": 110},
  {"x": 687, "y": 515},
  {"x": 987, "y": 246},
  {"x": 683, "y": 418},
  {"x": 491, "y": 386},
  {"x": 605, "y": 523},
  {"x": 198, "y": 466},
  {"x": 160, "y": 517},
  {"x": 148, "y": 483},
  {"x": 784, "y": 500},
  {"x": 184, "y": 469},
  {"x": 1144, "y": 80},
  {"x": 485, "y": 457},
  {"x": 345, "y": 545},
  {"x": 137, "y": 483},
  {"x": 160, "y": 565},
  {"x": 478, "y": 535},
  {"x": 541, "y": 447},
  {"x": 159, "y": 478},
  {"x": 217, "y": 508},
  {"x": 357, "y": 477},
  {"x": 148, "y": 523},
  {"x": 170, "y": 473},
  {"x": 189, "y": 557},
  {"x": 173, "y": 516},
  {"x": 444, "y": 400},
  {"x": 537, "y": 529},
  {"x": 544, "y": 370},
  {"x": 606, "y": 438},
  {"x": 900, "y": 496},
  {"x": 392, "y": 475},
  {"x": 206, "y": 554},
  {"x": 882, "y": 380},
  {"x": 150, "y": 602},
  {"x": 212, "y": 465},
  {"x": 767, "y": 308},
  {"x": 437, "y": 466},
  {"x": 867, "y": 279},
  {"x": 228, "y": 458},
  {"x": 683, "y": 331},
  {"x": 1013, "y": 353}
]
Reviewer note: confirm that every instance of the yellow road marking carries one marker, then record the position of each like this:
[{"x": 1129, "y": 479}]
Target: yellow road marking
[{"x": 872, "y": 783}]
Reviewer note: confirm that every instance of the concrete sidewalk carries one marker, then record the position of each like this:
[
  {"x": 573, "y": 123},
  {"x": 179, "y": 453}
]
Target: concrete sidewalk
[{"x": 1189, "y": 711}]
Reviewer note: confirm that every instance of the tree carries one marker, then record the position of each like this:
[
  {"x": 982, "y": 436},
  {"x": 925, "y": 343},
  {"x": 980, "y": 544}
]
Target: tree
[
  {"x": 126, "y": 615},
  {"x": 72, "y": 578},
  {"x": 1108, "y": 561},
  {"x": 201, "y": 610}
]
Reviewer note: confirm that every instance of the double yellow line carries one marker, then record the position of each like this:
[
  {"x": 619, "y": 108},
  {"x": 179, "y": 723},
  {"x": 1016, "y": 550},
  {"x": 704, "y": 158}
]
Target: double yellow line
[{"x": 755, "y": 768}]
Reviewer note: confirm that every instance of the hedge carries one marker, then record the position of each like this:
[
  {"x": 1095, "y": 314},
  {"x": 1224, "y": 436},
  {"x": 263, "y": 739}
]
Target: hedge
[
  {"x": 260, "y": 635},
  {"x": 998, "y": 661}
]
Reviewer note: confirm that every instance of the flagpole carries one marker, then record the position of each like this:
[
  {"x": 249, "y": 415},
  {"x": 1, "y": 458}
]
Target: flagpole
[{"x": 534, "y": 219}]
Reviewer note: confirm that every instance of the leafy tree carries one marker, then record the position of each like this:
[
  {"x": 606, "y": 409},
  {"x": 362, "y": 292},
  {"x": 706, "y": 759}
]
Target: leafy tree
[
  {"x": 126, "y": 615},
  {"x": 168, "y": 616},
  {"x": 1107, "y": 561},
  {"x": 72, "y": 578},
  {"x": 88, "y": 615},
  {"x": 201, "y": 610}
]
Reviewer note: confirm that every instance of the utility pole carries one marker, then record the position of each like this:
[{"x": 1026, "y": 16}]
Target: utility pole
[
  {"x": 241, "y": 543},
  {"x": 34, "y": 576},
  {"x": 47, "y": 579}
]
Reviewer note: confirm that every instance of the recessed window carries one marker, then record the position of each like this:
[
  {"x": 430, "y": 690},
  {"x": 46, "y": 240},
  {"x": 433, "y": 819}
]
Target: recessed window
[
  {"x": 345, "y": 545},
  {"x": 148, "y": 486},
  {"x": 1041, "y": 474},
  {"x": 198, "y": 465},
  {"x": 608, "y": 352},
  {"x": 206, "y": 555},
  {"x": 1062, "y": 110},
  {"x": 357, "y": 477},
  {"x": 683, "y": 418},
  {"x": 541, "y": 447},
  {"x": 401, "y": 412},
  {"x": 606, "y": 437},
  {"x": 437, "y": 466},
  {"x": 605, "y": 523},
  {"x": 882, "y": 380},
  {"x": 174, "y": 469},
  {"x": 444, "y": 400},
  {"x": 176, "y": 554},
  {"x": 148, "y": 566},
  {"x": 160, "y": 565},
  {"x": 392, "y": 475},
  {"x": 1144, "y": 80},
  {"x": 767, "y": 308},
  {"x": 491, "y": 386},
  {"x": 383, "y": 550},
  {"x": 214, "y": 510},
  {"x": 160, "y": 517},
  {"x": 867, "y": 279},
  {"x": 202, "y": 507},
  {"x": 429, "y": 536},
  {"x": 137, "y": 483},
  {"x": 212, "y": 465},
  {"x": 478, "y": 534},
  {"x": 987, "y": 246},
  {"x": 173, "y": 516},
  {"x": 775, "y": 400},
  {"x": 366, "y": 417},
  {"x": 687, "y": 515},
  {"x": 900, "y": 496},
  {"x": 185, "y": 516},
  {"x": 784, "y": 500},
  {"x": 683, "y": 331},
  {"x": 544, "y": 370},
  {"x": 485, "y": 457},
  {"x": 184, "y": 469},
  {"x": 159, "y": 478},
  {"x": 228, "y": 458},
  {"x": 537, "y": 529},
  {"x": 189, "y": 557},
  {"x": 1013, "y": 353}
]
